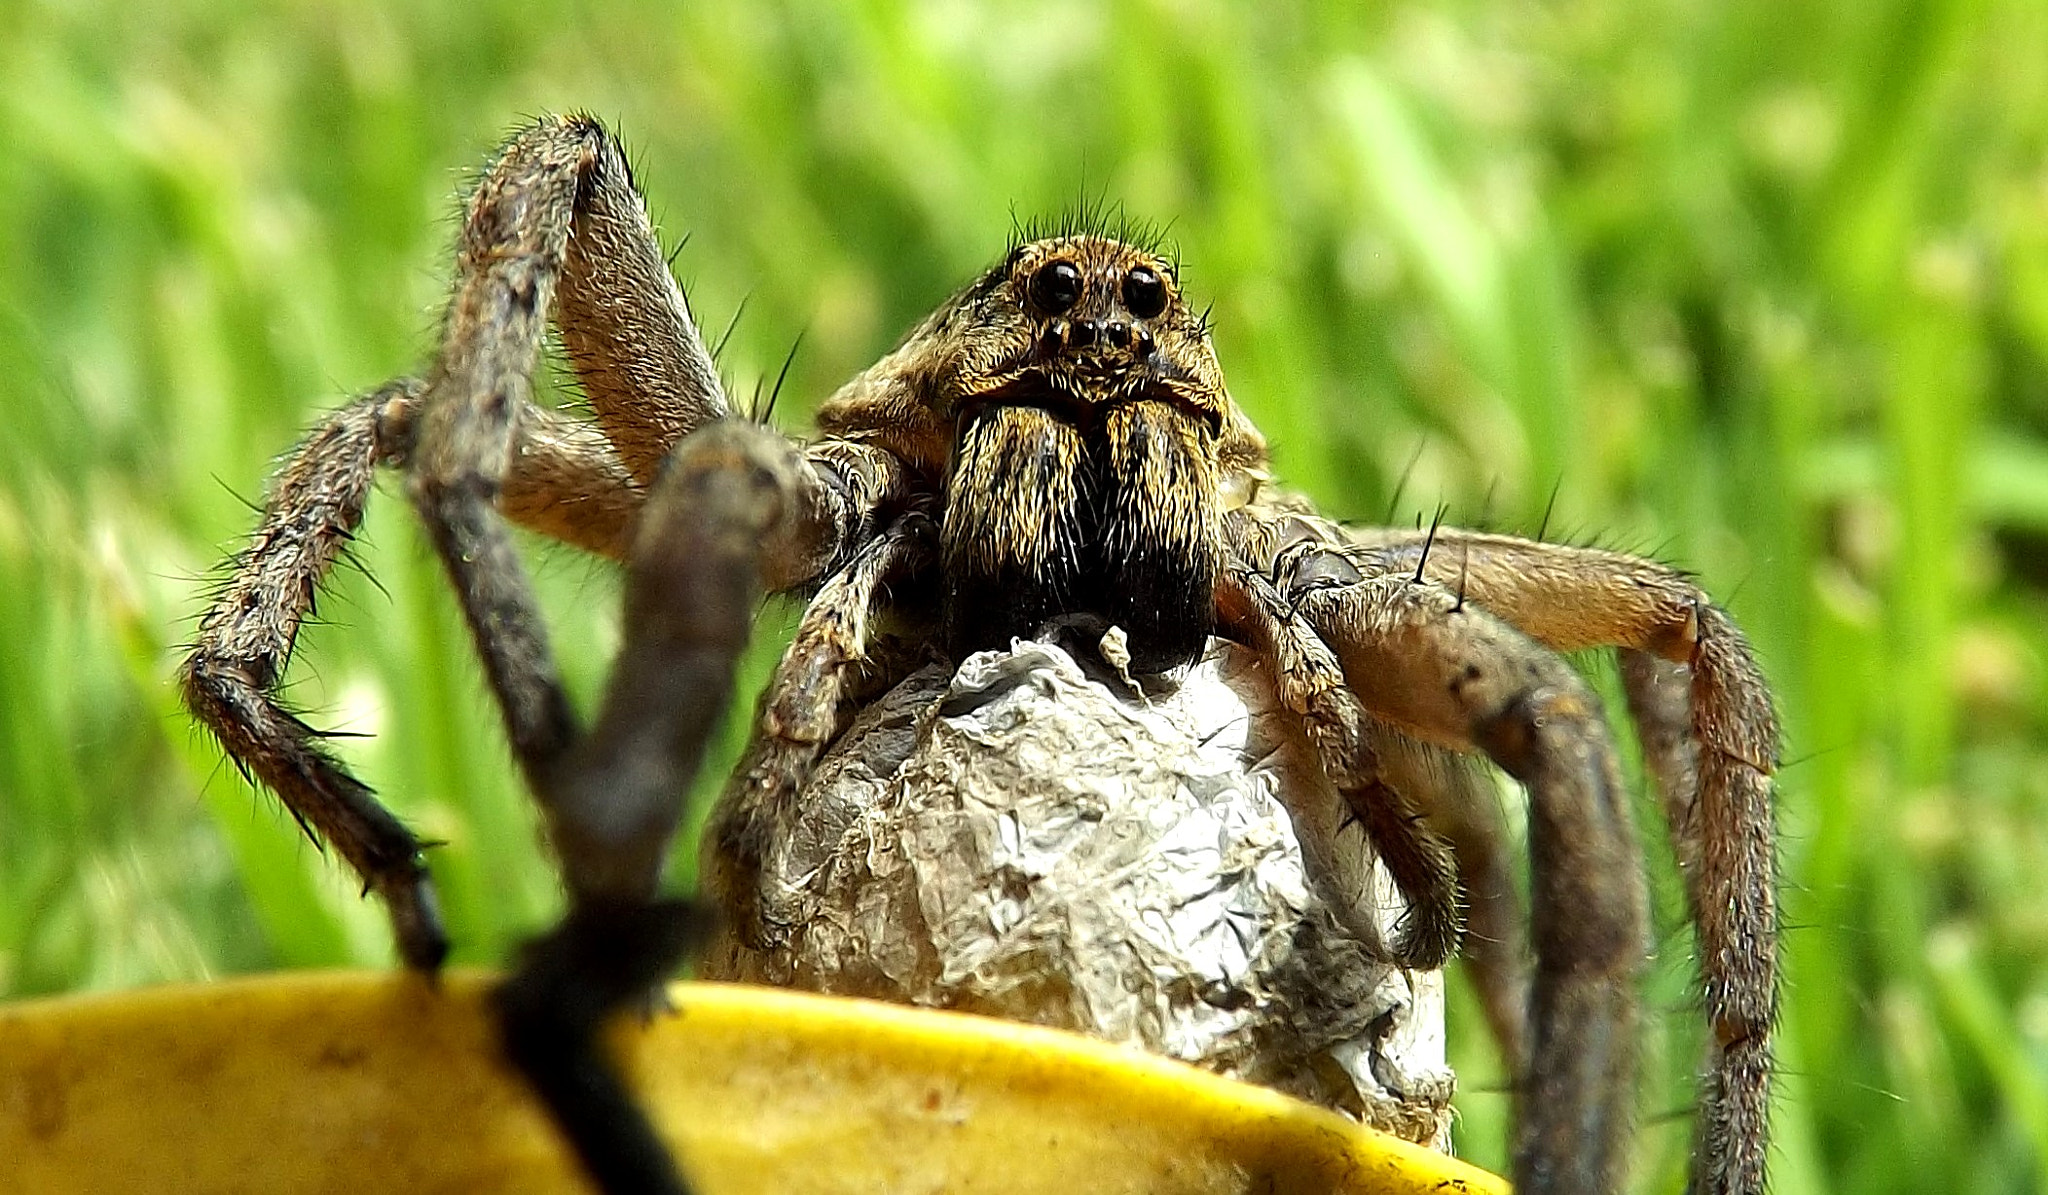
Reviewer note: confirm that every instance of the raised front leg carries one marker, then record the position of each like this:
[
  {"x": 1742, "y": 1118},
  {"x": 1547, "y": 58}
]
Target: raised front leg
[
  {"x": 736, "y": 508},
  {"x": 556, "y": 209},
  {"x": 730, "y": 509}
]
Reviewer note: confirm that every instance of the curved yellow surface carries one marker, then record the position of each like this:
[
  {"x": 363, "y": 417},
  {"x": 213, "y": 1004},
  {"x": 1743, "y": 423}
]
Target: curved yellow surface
[{"x": 366, "y": 1083}]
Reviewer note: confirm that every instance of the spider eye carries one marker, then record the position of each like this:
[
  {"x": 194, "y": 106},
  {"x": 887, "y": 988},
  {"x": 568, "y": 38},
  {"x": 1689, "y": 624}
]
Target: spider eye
[
  {"x": 1144, "y": 292},
  {"x": 1056, "y": 286}
]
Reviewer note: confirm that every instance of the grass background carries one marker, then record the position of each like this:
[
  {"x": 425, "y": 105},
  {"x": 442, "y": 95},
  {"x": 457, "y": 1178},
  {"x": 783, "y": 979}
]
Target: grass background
[{"x": 1760, "y": 288}]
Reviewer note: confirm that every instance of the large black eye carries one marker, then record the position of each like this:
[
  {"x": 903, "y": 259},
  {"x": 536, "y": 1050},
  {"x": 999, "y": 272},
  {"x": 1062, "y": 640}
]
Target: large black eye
[
  {"x": 1144, "y": 292},
  {"x": 1055, "y": 287}
]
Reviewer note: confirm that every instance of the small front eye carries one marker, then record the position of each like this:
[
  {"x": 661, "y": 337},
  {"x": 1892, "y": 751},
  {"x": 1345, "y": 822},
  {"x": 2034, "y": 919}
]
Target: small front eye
[
  {"x": 1056, "y": 286},
  {"x": 1144, "y": 292}
]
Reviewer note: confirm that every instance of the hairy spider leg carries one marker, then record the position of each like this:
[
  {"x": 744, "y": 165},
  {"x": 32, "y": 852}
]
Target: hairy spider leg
[
  {"x": 1458, "y": 796},
  {"x": 1422, "y": 657},
  {"x": 1694, "y": 692},
  {"x": 245, "y": 639},
  {"x": 799, "y": 714},
  {"x": 732, "y": 510},
  {"x": 564, "y": 481},
  {"x": 1710, "y": 738},
  {"x": 1310, "y": 684}
]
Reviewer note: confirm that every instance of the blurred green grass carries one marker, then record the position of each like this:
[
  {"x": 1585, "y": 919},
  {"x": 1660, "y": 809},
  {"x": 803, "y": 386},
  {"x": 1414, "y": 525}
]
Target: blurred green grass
[{"x": 1762, "y": 289}]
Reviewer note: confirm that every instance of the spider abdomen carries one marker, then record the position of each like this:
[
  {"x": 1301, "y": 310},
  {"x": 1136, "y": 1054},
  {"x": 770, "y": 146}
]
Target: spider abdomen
[{"x": 1115, "y": 519}]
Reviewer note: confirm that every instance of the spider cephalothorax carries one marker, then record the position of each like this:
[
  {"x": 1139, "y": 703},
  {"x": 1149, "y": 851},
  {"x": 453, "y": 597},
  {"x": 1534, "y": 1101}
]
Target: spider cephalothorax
[{"x": 1055, "y": 442}]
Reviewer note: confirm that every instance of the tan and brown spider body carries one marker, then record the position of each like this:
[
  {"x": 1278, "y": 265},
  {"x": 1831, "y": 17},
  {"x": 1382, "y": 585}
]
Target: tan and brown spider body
[{"x": 1054, "y": 444}]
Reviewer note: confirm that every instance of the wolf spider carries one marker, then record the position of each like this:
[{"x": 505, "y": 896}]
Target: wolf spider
[{"x": 1055, "y": 440}]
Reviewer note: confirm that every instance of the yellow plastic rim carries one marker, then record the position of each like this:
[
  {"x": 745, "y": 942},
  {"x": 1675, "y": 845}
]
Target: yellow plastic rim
[{"x": 370, "y": 1082}]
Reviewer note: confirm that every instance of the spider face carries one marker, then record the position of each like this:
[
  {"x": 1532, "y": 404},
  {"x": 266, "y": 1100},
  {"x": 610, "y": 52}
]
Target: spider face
[
  {"x": 1083, "y": 477},
  {"x": 1097, "y": 311},
  {"x": 1076, "y": 325},
  {"x": 1073, "y": 406}
]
